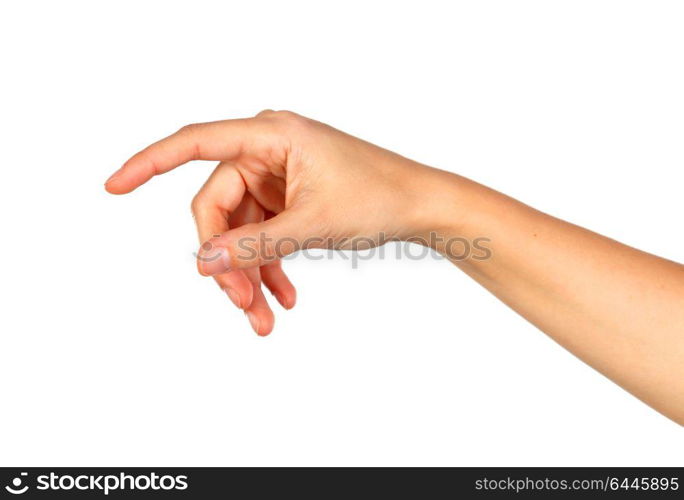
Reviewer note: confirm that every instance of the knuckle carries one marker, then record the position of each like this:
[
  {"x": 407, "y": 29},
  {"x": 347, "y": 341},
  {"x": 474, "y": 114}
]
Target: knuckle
[
  {"x": 189, "y": 128},
  {"x": 283, "y": 116},
  {"x": 292, "y": 122},
  {"x": 197, "y": 204},
  {"x": 286, "y": 122},
  {"x": 289, "y": 117},
  {"x": 264, "y": 113}
]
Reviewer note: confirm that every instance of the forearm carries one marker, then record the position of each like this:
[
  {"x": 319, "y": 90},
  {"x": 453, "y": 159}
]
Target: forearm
[{"x": 617, "y": 308}]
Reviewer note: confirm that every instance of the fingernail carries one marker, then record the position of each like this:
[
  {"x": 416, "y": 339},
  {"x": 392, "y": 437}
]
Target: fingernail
[
  {"x": 282, "y": 301},
  {"x": 214, "y": 260},
  {"x": 114, "y": 176},
  {"x": 234, "y": 297},
  {"x": 253, "y": 321}
]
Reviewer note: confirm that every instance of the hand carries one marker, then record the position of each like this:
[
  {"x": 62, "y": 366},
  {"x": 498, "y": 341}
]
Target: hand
[{"x": 284, "y": 182}]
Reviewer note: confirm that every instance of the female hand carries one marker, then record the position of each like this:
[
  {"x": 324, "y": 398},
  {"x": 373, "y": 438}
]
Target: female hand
[{"x": 284, "y": 182}]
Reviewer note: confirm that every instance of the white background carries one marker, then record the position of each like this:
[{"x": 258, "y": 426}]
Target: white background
[{"x": 116, "y": 352}]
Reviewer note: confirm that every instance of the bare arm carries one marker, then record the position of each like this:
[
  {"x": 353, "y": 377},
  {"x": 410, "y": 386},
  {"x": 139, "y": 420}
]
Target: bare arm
[
  {"x": 286, "y": 182},
  {"x": 619, "y": 309}
]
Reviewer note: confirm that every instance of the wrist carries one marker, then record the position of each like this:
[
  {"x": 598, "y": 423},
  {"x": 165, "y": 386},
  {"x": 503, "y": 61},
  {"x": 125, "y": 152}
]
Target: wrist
[{"x": 442, "y": 206}]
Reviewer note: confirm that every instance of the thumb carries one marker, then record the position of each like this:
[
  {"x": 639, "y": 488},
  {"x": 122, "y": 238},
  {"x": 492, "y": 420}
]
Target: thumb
[{"x": 257, "y": 244}]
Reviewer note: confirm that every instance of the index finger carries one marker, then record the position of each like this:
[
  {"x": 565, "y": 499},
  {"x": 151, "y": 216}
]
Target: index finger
[{"x": 222, "y": 140}]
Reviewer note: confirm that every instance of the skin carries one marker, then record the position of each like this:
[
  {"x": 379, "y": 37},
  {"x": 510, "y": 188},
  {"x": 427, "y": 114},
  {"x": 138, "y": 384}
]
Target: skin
[{"x": 288, "y": 179}]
